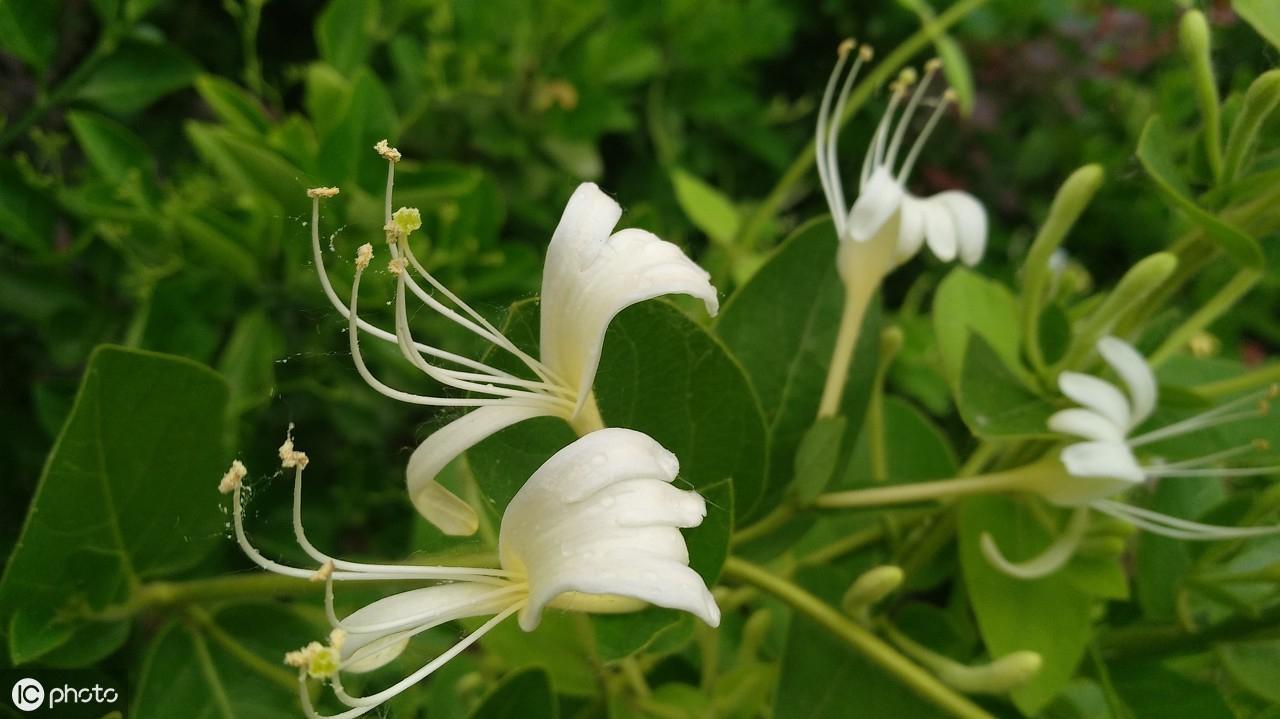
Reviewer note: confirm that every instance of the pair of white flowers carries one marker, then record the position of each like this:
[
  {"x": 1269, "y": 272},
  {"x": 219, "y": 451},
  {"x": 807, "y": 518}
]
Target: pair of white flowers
[{"x": 595, "y": 529}]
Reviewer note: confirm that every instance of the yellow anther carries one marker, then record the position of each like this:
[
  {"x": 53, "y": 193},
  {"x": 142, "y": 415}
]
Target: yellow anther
[
  {"x": 866, "y": 52},
  {"x": 908, "y": 76},
  {"x": 950, "y": 96},
  {"x": 846, "y": 47},
  {"x": 396, "y": 265},
  {"x": 324, "y": 572},
  {"x": 315, "y": 192},
  {"x": 364, "y": 255},
  {"x": 1261, "y": 444},
  {"x": 1273, "y": 391},
  {"x": 407, "y": 219},
  {"x": 234, "y": 476},
  {"x": 387, "y": 152},
  {"x": 933, "y": 65}
]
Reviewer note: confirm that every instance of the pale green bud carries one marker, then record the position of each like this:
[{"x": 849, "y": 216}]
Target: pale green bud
[{"x": 874, "y": 585}]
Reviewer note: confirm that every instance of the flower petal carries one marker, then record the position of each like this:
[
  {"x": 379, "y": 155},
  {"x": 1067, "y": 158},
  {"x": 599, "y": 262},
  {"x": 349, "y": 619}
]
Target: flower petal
[
  {"x": 876, "y": 203},
  {"x": 1098, "y": 395},
  {"x": 1136, "y": 373},
  {"x": 910, "y": 229},
  {"x": 425, "y": 608},
  {"x": 437, "y": 504},
  {"x": 939, "y": 229},
  {"x": 590, "y": 277},
  {"x": 1085, "y": 423},
  {"x": 970, "y": 223},
  {"x": 601, "y": 518},
  {"x": 1110, "y": 460}
]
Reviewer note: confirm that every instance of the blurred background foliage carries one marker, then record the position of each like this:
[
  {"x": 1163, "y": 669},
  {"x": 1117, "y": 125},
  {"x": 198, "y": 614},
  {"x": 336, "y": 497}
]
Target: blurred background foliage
[{"x": 155, "y": 156}]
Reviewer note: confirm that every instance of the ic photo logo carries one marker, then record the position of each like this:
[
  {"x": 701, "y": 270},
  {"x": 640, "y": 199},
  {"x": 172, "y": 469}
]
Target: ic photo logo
[{"x": 28, "y": 694}]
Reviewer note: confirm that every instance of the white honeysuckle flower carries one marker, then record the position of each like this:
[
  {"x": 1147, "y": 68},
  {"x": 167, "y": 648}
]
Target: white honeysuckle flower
[
  {"x": 887, "y": 224},
  {"x": 1106, "y": 465},
  {"x": 591, "y": 274},
  {"x": 596, "y": 529}
]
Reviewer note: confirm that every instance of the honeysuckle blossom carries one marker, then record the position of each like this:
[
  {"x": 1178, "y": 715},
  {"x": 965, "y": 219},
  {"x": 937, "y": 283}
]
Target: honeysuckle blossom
[
  {"x": 595, "y": 529},
  {"x": 887, "y": 225},
  {"x": 1091, "y": 474},
  {"x": 1106, "y": 463},
  {"x": 591, "y": 274}
]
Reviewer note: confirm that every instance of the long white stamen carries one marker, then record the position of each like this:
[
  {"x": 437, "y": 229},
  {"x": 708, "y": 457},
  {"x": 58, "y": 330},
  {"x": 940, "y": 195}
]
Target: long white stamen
[
  {"x": 909, "y": 163},
  {"x": 1221, "y": 414},
  {"x": 318, "y": 260},
  {"x": 833, "y": 134},
  {"x": 820, "y": 141},
  {"x": 406, "y": 348},
  {"x": 476, "y": 574},
  {"x": 545, "y": 374},
  {"x": 1208, "y": 459},
  {"x": 930, "y": 69},
  {"x": 1159, "y": 471},
  {"x": 367, "y": 704},
  {"x": 391, "y": 392},
  {"x": 1047, "y": 562},
  {"x": 881, "y": 139},
  {"x": 1174, "y": 527}
]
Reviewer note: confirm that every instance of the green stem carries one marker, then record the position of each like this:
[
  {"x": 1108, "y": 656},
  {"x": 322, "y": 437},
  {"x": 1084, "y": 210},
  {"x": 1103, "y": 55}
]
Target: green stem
[
  {"x": 1014, "y": 479},
  {"x": 857, "y": 296},
  {"x": 154, "y": 595},
  {"x": 1166, "y": 639},
  {"x": 861, "y": 640},
  {"x": 1241, "y": 283},
  {"x": 768, "y": 524},
  {"x": 1250, "y": 380},
  {"x": 865, "y": 537},
  {"x": 878, "y": 75}
]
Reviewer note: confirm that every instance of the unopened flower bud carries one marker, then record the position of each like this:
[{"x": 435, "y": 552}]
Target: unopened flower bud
[
  {"x": 873, "y": 586},
  {"x": 999, "y": 677}
]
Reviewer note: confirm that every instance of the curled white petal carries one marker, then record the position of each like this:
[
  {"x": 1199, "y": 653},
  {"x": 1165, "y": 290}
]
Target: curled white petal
[
  {"x": 600, "y": 518},
  {"x": 880, "y": 197},
  {"x": 1098, "y": 395},
  {"x": 437, "y": 504},
  {"x": 970, "y": 223},
  {"x": 1136, "y": 373},
  {"x": 910, "y": 229},
  {"x": 590, "y": 276},
  {"x": 939, "y": 229},
  {"x": 424, "y": 608},
  {"x": 1085, "y": 423},
  {"x": 1108, "y": 460}
]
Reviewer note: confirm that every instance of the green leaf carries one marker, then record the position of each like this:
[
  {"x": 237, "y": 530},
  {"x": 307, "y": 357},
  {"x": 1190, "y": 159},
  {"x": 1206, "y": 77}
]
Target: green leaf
[
  {"x": 821, "y": 677},
  {"x": 1263, "y": 15},
  {"x": 782, "y": 326},
  {"x": 968, "y": 304},
  {"x": 346, "y": 153},
  {"x": 233, "y": 105},
  {"x": 916, "y": 449},
  {"x": 248, "y": 362},
  {"x": 557, "y": 645},
  {"x": 524, "y": 694},
  {"x": 954, "y": 64},
  {"x": 190, "y": 672},
  {"x": 247, "y": 166},
  {"x": 1155, "y": 154},
  {"x": 816, "y": 458},
  {"x": 992, "y": 399},
  {"x": 1252, "y": 664},
  {"x": 27, "y": 214},
  {"x": 136, "y": 75},
  {"x": 113, "y": 149},
  {"x": 1048, "y": 615},
  {"x": 138, "y": 456},
  {"x": 343, "y": 32},
  {"x": 706, "y": 207},
  {"x": 29, "y": 30},
  {"x": 1153, "y": 690}
]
